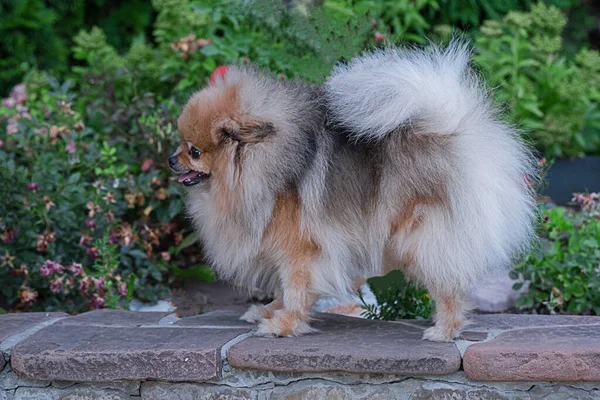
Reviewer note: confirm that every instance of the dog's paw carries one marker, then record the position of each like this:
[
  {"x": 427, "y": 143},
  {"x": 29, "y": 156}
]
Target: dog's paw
[
  {"x": 438, "y": 334},
  {"x": 254, "y": 314},
  {"x": 284, "y": 323}
]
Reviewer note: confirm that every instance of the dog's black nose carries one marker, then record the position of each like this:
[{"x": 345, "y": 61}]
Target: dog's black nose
[{"x": 173, "y": 161}]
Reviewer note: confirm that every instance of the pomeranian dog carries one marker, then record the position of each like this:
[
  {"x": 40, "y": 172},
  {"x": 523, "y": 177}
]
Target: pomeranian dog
[{"x": 397, "y": 162}]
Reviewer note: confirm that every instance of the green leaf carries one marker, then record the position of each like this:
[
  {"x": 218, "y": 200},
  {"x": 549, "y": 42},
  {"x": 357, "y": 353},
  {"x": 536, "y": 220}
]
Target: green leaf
[
  {"x": 186, "y": 242},
  {"x": 199, "y": 272}
]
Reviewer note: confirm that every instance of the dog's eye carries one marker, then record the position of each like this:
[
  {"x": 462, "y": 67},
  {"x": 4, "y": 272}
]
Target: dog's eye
[{"x": 194, "y": 153}]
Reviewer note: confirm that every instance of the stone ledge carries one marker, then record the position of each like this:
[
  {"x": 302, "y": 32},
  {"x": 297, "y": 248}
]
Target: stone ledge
[
  {"x": 349, "y": 345},
  {"x": 563, "y": 353},
  {"x": 109, "y": 345}
]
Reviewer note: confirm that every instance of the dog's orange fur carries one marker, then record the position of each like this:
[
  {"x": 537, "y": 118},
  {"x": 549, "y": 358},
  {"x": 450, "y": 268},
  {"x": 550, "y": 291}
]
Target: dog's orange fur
[{"x": 284, "y": 233}]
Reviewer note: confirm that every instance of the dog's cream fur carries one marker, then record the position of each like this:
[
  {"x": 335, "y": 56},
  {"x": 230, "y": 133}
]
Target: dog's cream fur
[{"x": 399, "y": 161}]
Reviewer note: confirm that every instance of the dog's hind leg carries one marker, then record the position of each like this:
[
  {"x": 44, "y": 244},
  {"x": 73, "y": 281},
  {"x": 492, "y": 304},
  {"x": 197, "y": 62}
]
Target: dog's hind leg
[{"x": 450, "y": 314}]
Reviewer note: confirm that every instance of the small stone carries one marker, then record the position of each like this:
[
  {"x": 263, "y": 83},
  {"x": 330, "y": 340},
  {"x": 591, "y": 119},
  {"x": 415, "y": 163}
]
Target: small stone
[
  {"x": 427, "y": 394},
  {"x": 76, "y": 392},
  {"x": 192, "y": 391},
  {"x": 559, "y": 353},
  {"x": 496, "y": 294},
  {"x": 349, "y": 345},
  {"x": 160, "y": 306}
]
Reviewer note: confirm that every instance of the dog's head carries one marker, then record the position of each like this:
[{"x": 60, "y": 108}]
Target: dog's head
[{"x": 215, "y": 125}]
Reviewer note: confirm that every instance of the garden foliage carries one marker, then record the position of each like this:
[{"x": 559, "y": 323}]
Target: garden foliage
[
  {"x": 90, "y": 215},
  {"x": 563, "y": 270}
]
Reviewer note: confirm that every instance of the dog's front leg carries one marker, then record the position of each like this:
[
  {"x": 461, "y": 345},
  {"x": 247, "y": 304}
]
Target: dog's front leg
[
  {"x": 257, "y": 312},
  {"x": 298, "y": 299}
]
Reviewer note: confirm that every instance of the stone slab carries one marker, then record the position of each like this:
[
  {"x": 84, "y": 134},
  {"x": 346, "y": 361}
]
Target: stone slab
[
  {"x": 223, "y": 318},
  {"x": 14, "y": 323},
  {"x": 108, "y": 317},
  {"x": 349, "y": 345},
  {"x": 101, "y": 354},
  {"x": 504, "y": 322},
  {"x": 563, "y": 354}
]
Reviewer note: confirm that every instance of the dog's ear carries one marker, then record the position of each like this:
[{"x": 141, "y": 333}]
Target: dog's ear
[{"x": 247, "y": 130}]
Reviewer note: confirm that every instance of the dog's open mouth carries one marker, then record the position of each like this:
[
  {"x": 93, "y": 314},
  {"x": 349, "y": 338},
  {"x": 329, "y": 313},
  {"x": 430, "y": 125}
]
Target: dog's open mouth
[{"x": 192, "y": 178}]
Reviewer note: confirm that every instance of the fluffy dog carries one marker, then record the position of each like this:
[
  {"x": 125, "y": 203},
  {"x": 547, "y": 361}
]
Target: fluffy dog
[{"x": 398, "y": 161}]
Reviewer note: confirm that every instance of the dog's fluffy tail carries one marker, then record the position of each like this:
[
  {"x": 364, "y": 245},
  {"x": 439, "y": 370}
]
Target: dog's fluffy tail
[{"x": 432, "y": 89}]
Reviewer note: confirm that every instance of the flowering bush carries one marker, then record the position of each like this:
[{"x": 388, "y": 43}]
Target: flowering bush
[
  {"x": 564, "y": 269},
  {"x": 85, "y": 221}
]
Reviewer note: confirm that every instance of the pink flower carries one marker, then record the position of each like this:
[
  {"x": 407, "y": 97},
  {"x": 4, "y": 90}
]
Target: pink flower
[
  {"x": 9, "y": 102},
  {"x": 70, "y": 147},
  {"x": 92, "y": 252},
  {"x": 97, "y": 301},
  {"x": 8, "y": 236},
  {"x": 84, "y": 285},
  {"x": 379, "y": 37},
  {"x": 56, "y": 285},
  {"x": 76, "y": 269},
  {"x": 203, "y": 42},
  {"x": 98, "y": 283},
  {"x": 12, "y": 127},
  {"x": 44, "y": 271},
  {"x": 113, "y": 239},
  {"x": 50, "y": 267},
  {"x": 147, "y": 164},
  {"x": 32, "y": 186},
  {"x": 85, "y": 240},
  {"x": 90, "y": 223},
  {"x": 28, "y": 296},
  {"x": 123, "y": 289},
  {"x": 165, "y": 255},
  {"x": 19, "y": 94}
]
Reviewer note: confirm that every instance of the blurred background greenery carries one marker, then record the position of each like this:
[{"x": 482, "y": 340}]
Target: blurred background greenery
[{"x": 92, "y": 89}]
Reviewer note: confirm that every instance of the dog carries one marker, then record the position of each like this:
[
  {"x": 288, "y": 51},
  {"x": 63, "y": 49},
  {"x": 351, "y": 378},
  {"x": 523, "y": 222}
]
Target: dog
[{"x": 398, "y": 161}]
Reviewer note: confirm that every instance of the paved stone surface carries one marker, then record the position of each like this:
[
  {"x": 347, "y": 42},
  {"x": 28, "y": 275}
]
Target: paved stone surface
[
  {"x": 100, "y": 354},
  {"x": 108, "y": 317},
  {"x": 349, "y": 345},
  {"x": 224, "y": 318},
  {"x": 12, "y": 324},
  {"x": 537, "y": 354},
  {"x": 502, "y": 322}
]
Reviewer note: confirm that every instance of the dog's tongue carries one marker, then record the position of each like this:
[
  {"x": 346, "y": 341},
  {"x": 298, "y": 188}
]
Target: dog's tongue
[{"x": 189, "y": 175}]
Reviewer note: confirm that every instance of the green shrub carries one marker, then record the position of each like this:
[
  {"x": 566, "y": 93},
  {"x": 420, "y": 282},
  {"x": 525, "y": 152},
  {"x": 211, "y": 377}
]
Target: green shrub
[
  {"x": 397, "y": 298},
  {"x": 563, "y": 271},
  {"x": 554, "y": 99},
  {"x": 38, "y": 33}
]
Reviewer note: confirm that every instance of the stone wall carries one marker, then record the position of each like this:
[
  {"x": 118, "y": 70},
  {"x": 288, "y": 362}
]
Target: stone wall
[{"x": 118, "y": 354}]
